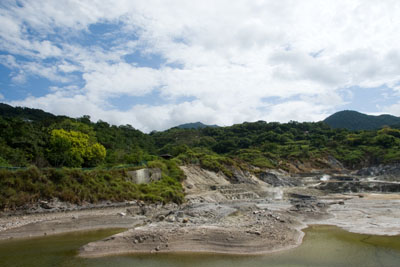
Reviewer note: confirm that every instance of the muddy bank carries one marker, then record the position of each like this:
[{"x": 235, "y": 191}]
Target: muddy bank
[
  {"x": 32, "y": 225},
  {"x": 257, "y": 215},
  {"x": 202, "y": 239},
  {"x": 56, "y": 217},
  {"x": 233, "y": 228},
  {"x": 257, "y": 228},
  {"x": 375, "y": 214}
]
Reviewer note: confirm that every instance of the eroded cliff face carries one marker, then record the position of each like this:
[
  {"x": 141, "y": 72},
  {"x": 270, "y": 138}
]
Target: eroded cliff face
[{"x": 206, "y": 185}]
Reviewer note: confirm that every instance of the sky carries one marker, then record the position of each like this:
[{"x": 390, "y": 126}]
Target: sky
[{"x": 156, "y": 64}]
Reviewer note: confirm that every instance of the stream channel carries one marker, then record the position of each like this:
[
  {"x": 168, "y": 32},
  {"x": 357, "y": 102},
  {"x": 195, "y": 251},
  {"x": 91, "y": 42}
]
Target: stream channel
[{"x": 322, "y": 246}]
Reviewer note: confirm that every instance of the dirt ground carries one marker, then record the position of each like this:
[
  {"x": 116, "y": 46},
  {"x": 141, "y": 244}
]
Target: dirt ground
[{"x": 221, "y": 216}]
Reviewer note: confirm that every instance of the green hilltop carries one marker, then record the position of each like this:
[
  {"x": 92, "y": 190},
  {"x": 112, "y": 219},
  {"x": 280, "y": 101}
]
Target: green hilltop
[
  {"x": 195, "y": 125},
  {"x": 353, "y": 120}
]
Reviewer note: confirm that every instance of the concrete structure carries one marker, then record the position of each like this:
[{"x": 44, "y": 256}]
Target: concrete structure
[{"x": 144, "y": 176}]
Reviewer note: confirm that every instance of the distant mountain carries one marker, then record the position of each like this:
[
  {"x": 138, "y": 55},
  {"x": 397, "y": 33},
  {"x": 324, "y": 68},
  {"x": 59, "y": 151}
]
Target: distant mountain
[
  {"x": 24, "y": 113},
  {"x": 195, "y": 125},
  {"x": 354, "y": 120}
]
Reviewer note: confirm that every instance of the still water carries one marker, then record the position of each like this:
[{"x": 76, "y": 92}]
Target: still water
[{"x": 322, "y": 246}]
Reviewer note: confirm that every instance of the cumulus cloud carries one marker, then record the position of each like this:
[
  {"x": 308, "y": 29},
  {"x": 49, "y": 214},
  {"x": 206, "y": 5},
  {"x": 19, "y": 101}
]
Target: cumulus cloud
[
  {"x": 114, "y": 79},
  {"x": 235, "y": 60}
]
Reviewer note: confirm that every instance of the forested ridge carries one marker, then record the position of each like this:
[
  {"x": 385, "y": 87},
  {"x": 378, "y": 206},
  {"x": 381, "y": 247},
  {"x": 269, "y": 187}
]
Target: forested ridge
[
  {"x": 56, "y": 148},
  {"x": 353, "y": 120}
]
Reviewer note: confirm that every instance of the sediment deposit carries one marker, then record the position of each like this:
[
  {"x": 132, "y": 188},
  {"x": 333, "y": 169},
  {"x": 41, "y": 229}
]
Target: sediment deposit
[{"x": 246, "y": 214}]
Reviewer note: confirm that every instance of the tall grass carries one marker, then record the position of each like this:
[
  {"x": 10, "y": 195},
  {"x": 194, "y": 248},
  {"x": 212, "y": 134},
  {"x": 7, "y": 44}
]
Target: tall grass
[{"x": 21, "y": 187}]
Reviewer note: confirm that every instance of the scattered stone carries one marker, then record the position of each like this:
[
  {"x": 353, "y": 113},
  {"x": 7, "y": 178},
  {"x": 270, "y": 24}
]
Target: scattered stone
[
  {"x": 253, "y": 232},
  {"x": 45, "y": 204},
  {"x": 189, "y": 186},
  {"x": 136, "y": 210},
  {"x": 170, "y": 219}
]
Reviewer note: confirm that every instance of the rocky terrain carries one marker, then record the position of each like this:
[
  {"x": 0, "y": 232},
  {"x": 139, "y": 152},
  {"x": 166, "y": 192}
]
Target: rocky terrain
[{"x": 243, "y": 214}]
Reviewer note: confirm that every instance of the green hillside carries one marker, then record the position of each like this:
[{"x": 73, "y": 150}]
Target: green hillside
[
  {"x": 24, "y": 113},
  {"x": 79, "y": 160},
  {"x": 353, "y": 120}
]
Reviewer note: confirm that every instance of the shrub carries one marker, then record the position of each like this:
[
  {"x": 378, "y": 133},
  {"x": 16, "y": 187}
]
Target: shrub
[{"x": 76, "y": 186}]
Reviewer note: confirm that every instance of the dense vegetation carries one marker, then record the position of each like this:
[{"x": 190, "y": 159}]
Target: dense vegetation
[
  {"x": 56, "y": 148},
  {"x": 57, "y": 141},
  {"x": 354, "y": 120},
  {"x": 271, "y": 145},
  {"x": 26, "y": 186}
]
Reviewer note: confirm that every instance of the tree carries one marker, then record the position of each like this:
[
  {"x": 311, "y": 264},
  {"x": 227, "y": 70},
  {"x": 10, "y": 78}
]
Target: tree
[
  {"x": 74, "y": 149},
  {"x": 95, "y": 154},
  {"x": 385, "y": 140}
]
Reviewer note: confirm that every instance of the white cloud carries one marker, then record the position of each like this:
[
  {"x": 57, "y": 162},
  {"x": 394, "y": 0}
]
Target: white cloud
[
  {"x": 115, "y": 79},
  {"x": 8, "y": 61},
  {"x": 67, "y": 67},
  {"x": 233, "y": 57},
  {"x": 298, "y": 111},
  {"x": 19, "y": 78},
  {"x": 393, "y": 109}
]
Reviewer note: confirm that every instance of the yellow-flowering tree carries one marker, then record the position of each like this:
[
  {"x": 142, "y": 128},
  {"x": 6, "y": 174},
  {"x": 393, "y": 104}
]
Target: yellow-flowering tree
[{"x": 74, "y": 149}]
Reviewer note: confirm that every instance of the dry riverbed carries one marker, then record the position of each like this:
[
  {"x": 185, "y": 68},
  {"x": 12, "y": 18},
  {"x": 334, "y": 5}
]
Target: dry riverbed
[{"x": 219, "y": 217}]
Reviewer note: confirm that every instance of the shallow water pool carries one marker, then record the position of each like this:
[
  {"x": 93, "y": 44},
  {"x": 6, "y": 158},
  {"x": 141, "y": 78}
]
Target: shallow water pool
[{"x": 322, "y": 246}]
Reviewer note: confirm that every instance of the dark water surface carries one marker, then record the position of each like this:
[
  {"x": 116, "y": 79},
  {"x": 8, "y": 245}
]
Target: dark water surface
[{"x": 322, "y": 246}]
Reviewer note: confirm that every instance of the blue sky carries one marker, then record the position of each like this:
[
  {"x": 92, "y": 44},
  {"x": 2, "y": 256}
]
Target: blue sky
[{"x": 157, "y": 64}]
